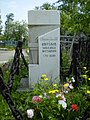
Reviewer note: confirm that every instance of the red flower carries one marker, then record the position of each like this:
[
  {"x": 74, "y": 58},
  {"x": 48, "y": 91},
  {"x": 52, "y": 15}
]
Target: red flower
[
  {"x": 36, "y": 99},
  {"x": 74, "y": 107}
]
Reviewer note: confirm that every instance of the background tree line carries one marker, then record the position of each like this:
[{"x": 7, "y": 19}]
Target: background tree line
[
  {"x": 14, "y": 30},
  {"x": 74, "y": 17}
]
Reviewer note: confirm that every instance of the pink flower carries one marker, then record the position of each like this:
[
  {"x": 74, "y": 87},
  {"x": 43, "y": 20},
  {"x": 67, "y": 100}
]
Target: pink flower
[
  {"x": 70, "y": 86},
  {"x": 74, "y": 107},
  {"x": 36, "y": 99},
  {"x": 63, "y": 98}
]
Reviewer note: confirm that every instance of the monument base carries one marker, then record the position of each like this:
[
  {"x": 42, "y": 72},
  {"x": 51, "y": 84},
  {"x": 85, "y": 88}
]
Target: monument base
[{"x": 24, "y": 85}]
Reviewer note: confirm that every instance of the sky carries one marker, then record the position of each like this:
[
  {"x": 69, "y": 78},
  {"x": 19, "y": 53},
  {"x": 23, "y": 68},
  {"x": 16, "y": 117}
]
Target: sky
[{"x": 20, "y": 8}]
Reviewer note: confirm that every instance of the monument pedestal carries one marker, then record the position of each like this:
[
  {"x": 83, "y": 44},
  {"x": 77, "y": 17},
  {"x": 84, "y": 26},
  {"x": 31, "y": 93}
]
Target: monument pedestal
[{"x": 44, "y": 45}]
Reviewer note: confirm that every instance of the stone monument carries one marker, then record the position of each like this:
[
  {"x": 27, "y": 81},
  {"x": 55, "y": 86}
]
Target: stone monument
[{"x": 44, "y": 44}]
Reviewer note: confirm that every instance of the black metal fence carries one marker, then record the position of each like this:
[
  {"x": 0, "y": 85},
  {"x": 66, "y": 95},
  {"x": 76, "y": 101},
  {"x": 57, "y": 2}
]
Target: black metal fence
[{"x": 80, "y": 59}]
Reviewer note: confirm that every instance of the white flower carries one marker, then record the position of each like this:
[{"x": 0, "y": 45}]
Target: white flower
[
  {"x": 66, "y": 91},
  {"x": 30, "y": 113},
  {"x": 63, "y": 103},
  {"x": 73, "y": 79},
  {"x": 45, "y": 94},
  {"x": 40, "y": 96}
]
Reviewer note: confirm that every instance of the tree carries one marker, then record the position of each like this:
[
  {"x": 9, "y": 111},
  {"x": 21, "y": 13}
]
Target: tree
[
  {"x": 46, "y": 6},
  {"x": 19, "y": 29},
  {"x": 9, "y": 18},
  {"x": 8, "y": 25},
  {"x": 0, "y": 25},
  {"x": 78, "y": 14},
  {"x": 14, "y": 30}
]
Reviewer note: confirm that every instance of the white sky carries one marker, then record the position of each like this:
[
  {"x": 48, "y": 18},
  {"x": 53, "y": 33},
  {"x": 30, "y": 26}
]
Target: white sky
[{"x": 20, "y": 8}]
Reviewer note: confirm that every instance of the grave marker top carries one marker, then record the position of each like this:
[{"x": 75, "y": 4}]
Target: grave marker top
[{"x": 43, "y": 17}]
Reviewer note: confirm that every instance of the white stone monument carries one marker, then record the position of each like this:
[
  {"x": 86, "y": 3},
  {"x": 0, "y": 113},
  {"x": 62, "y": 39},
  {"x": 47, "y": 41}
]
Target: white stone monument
[{"x": 44, "y": 44}]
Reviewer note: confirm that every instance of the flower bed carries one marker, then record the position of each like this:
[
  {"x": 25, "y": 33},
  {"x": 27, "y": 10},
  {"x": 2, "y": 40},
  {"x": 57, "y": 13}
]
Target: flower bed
[
  {"x": 49, "y": 101},
  {"x": 56, "y": 101}
]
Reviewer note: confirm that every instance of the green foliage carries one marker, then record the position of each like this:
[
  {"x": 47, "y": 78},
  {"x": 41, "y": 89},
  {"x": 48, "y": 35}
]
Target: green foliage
[
  {"x": 0, "y": 26},
  {"x": 77, "y": 16},
  {"x": 14, "y": 30},
  {"x": 74, "y": 15},
  {"x": 48, "y": 108},
  {"x": 46, "y": 6},
  {"x": 2, "y": 37},
  {"x": 66, "y": 58}
]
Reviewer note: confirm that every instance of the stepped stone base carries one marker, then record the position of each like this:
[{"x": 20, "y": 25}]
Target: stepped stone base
[{"x": 24, "y": 85}]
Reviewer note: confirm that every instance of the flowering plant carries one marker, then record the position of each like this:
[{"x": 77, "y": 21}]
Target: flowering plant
[
  {"x": 36, "y": 99},
  {"x": 49, "y": 101},
  {"x": 52, "y": 102},
  {"x": 74, "y": 107},
  {"x": 30, "y": 113}
]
